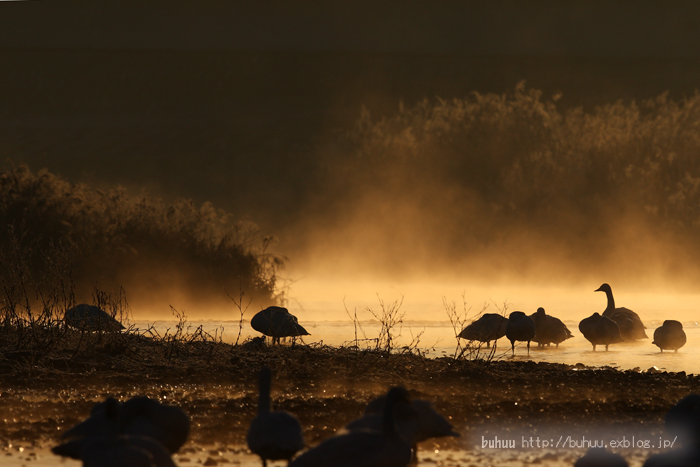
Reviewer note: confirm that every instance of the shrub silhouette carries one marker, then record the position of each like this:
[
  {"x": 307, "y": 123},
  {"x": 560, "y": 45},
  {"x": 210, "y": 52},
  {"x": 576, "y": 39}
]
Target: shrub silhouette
[{"x": 134, "y": 241}]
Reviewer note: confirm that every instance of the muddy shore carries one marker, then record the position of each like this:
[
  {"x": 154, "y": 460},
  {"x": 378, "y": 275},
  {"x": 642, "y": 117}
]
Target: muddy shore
[{"x": 325, "y": 387}]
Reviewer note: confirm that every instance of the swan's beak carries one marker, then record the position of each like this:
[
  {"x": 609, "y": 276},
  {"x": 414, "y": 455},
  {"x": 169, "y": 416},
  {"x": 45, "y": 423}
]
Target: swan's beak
[{"x": 598, "y": 289}]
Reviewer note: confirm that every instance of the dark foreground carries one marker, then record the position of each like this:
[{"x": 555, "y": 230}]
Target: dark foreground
[{"x": 43, "y": 394}]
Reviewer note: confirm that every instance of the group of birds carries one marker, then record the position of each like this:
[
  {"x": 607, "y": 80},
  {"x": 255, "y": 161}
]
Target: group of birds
[
  {"x": 142, "y": 432},
  {"x": 616, "y": 324},
  {"x": 386, "y": 436}
]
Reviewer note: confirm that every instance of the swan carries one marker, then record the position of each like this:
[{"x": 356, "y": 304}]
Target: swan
[
  {"x": 600, "y": 457},
  {"x": 629, "y": 323},
  {"x": 167, "y": 424},
  {"x": 91, "y": 318},
  {"x": 273, "y": 435},
  {"x": 670, "y": 336},
  {"x": 549, "y": 330},
  {"x": 520, "y": 327},
  {"x": 364, "y": 448},
  {"x": 277, "y": 322},
  {"x": 490, "y": 327},
  {"x": 683, "y": 421},
  {"x": 107, "y": 447},
  {"x": 600, "y": 330},
  {"x": 416, "y": 422}
]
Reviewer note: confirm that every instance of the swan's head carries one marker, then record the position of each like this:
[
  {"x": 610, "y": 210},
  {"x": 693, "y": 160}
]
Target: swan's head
[
  {"x": 540, "y": 311},
  {"x": 604, "y": 288},
  {"x": 516, "y": 315}
]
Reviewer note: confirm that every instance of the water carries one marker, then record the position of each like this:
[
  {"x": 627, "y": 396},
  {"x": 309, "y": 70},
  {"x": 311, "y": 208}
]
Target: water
[{"x": 436, "y": 339}]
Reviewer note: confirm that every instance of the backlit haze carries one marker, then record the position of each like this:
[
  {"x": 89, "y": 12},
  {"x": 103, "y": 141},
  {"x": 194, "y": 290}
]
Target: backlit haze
[{"x": 476, "y": 151}]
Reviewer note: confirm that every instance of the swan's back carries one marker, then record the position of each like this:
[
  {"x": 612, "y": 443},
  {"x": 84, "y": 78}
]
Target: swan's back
[
  {"x": 277, "y": 322},
  {"x": 520, "y": 327},
  {"x": 364, "y": 448},
  {"x": 141, "y": 416},
  {"x": 489, "y": 327}
]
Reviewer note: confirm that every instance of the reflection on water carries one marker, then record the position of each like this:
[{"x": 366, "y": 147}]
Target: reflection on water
[{"x": 436, "y": 339}]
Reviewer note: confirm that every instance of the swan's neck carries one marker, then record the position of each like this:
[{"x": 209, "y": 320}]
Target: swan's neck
[
  {"x": 388, "y": 422},
  {"x": 611, "y": 303},
  {"x": 264, "y": 403}
]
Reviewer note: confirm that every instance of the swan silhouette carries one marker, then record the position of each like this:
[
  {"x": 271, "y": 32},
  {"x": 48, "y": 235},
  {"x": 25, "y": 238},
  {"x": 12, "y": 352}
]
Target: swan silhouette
[
  {"x": 670, "y": 336},
  {"x": 682, "y": 421},
  {"x": 167, "y": 424},
  {"x": 600, "y": 330},
  {"x": 548, "y": 329},
  {"x": 520, "y": 327},
  {"x": 629, "y": 323},
  {"x": 416, "y": 422},
  {"x": 107, "y": 447},
  {"x": 385, "y": 448},
  {"x": 273, "y": 435},
  {"x": 277, "y": 322},
  {"x": 490, "y": 327},
  {"x": 91, "y": 318}
]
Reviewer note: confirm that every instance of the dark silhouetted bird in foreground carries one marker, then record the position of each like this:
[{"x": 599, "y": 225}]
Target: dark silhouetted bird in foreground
[
  {"x": 417, "y": 422},
  {"x": 273, "y": 435},
  {"x": 385, "y": 448},
  {"x": 109, "y": 445}
]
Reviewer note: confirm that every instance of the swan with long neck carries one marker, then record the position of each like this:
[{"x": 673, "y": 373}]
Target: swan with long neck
[
  {"x": 273, "y": 435},
  {"x": 630, "y": 324}
]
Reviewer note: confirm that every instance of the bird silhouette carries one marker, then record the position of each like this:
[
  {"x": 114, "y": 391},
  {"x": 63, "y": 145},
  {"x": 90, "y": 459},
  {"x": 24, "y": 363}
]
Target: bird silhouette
[
  {"x": 670, "y": 336},
  {"x": 107, "y": 447},
  {"x": 548, "y": 329},
  {"x": 273, "y": 435},
  {"x": 520, "y": 327},
  {"x": 682, "y": 421},
  {"x": 385, "y": 448},
  {"x": 600, "y": 330},
  {"x": 167, "y": 424},
  {"x": 416, "y": 422},
  {"x": 277, "y": 322},
  {"x": 91, "y": 318},
  {"x": 629, "y": 322},
  {"x": 489, "y": 327}
]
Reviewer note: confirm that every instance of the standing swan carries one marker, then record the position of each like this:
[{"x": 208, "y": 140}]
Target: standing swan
[
  {"x": 549, "y": 330},
  {"x": 670, "y": 336},
  {"x": 520, "y": 328},
  {"x": 277, "y": 322},
  {"x": 273, "y": 435},
  {"x": 631, "y": 326},
  {"x": 490, "y": 327},
  {"x": 600, "y": 330},
  {"x": 364, "y": 448}
]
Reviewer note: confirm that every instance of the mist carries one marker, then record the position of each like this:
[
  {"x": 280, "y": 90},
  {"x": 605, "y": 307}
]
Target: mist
[{"x": 525, "y": 159}]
